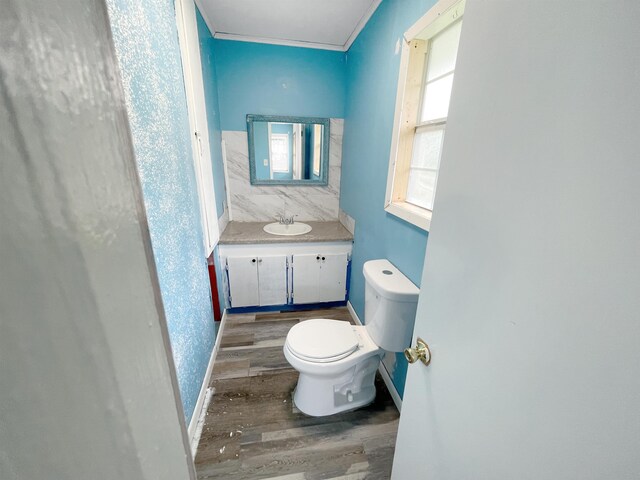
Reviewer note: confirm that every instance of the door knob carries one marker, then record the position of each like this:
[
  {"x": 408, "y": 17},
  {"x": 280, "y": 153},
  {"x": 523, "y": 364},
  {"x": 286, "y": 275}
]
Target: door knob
[{"x": 419, "y": 352}]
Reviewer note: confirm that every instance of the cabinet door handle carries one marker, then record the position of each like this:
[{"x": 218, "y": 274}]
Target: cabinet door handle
[
  {"x": 318, "y": 257},
  {"x": 259, "y": 260},
  {"x": 253, "y": 260},
  {"x": 323, "y": 259}
]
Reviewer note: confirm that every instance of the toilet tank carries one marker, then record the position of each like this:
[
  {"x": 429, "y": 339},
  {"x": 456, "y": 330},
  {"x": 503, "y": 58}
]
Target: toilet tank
[{"x": 390, "y": 305}]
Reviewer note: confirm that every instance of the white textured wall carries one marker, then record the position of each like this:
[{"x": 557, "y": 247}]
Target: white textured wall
[
  {"x": 259, "y": 203},
  {"x": 87, "y": 389}
]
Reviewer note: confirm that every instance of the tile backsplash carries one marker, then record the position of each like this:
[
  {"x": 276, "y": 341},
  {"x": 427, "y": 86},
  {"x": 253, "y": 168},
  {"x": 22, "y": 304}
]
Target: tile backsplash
[
  {"x": 347, "y": 221},
  {"x": 259, "y": 203}
]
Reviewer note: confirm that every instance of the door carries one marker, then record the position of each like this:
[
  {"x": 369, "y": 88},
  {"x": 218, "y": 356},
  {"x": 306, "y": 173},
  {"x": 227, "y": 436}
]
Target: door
[
  {"x": 84, "y": 338},
  {"x": 306, "y": 276},
  {"x": 530, "y": 296},
  {"x": 272, "y": 280},
  {"x": 243, "y": 281},
  {"x": 332, "y": 278},
  {"x": 192, "y": 70}
]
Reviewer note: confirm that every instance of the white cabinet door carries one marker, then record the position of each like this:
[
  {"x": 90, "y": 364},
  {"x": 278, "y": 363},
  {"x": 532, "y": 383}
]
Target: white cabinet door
[
  {"x": 319, "y": 278},
  {"x": 243, "y": 281},
  {"x": 272, "y": 280},
  {"x": 306, "y": 277},
  {"x": 333, "y": 278}
]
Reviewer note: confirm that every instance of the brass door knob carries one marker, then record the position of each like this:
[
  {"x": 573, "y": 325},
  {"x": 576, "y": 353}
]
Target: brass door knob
[{"x": 419, "y": 352}]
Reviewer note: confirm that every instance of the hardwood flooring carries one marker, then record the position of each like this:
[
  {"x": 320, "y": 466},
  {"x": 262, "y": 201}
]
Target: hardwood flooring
[{"x": 252, "y": 429}]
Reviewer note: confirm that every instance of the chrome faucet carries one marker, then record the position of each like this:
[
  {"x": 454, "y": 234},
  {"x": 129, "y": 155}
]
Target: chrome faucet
[
  {"x": 282, "y": 217},
  {"x": 284, "y": 220}
]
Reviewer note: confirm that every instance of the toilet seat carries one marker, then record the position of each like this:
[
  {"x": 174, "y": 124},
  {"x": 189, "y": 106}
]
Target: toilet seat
[{"x": 322, "y": 341}]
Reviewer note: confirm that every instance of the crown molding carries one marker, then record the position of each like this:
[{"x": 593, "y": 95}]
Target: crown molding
[
  {"x": 361, "y": 24},
  {"x": 278, "y": 41},
  {"x": 206, "y": 18}
]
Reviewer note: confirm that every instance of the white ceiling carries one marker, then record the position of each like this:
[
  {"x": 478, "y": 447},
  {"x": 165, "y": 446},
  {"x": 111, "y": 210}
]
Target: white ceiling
[{"x": 326, "y": 24}]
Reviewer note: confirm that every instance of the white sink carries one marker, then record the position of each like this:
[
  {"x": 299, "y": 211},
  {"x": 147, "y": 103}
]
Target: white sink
[{"x": 295, "y": 228}]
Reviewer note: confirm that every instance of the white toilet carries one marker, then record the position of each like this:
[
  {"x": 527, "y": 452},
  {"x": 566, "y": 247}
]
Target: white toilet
[{"x": 337, "y": 361}]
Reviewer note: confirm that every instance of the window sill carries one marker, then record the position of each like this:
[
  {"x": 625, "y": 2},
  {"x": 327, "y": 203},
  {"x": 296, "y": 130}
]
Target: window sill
[{"x": 420, "y": 217}]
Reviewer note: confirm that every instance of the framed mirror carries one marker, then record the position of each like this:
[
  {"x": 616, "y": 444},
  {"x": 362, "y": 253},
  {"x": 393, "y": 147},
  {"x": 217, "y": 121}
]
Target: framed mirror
[{"x": 288, "y": 150}]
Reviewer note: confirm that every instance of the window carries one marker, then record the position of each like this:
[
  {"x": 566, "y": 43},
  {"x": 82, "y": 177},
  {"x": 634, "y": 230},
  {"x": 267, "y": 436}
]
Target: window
[
  {"x": 424, "y": 90},
  {"x": 280, "y": 152}
]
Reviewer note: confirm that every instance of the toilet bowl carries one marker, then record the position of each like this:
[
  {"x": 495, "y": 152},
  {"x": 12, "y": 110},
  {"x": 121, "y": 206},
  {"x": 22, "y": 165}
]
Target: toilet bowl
[{"x": 337, "y": 361}]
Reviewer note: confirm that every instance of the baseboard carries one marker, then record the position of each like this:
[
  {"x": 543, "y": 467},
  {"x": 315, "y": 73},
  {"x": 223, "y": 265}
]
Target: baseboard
[
  {"x": 200, "y": 404},
  {"x": 382, "y": 369},
  {"x": 390, "y": 386},
  {"x": 197, "y": 433}
]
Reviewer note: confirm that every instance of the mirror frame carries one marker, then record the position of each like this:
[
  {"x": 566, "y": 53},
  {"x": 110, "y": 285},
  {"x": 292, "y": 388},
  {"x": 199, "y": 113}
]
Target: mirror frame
[{"x": 324, "y": 167}]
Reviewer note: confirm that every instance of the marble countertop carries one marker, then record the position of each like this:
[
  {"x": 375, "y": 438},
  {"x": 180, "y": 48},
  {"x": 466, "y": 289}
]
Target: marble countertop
[{"x": 251, "y": 232}]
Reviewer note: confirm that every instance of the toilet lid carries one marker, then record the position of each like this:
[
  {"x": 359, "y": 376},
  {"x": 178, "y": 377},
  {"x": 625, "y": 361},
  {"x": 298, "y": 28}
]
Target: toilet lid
[{"x": 321, "y": 340}]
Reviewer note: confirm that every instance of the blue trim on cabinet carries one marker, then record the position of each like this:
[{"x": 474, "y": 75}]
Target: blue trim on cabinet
[
  {"x": 348, "y": 279},
  {"x": 286, "y": 308}
]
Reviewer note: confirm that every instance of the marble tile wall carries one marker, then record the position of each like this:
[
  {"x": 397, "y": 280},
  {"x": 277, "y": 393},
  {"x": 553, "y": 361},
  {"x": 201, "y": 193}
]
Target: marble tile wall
[
  {"x": 223, "y": 220},
  {"x": 347, "y": 221},
  {"x": 252, "y": 203}
]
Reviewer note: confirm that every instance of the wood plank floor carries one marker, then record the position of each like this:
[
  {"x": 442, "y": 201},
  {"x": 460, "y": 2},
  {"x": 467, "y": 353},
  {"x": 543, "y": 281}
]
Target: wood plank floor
[{"x": 252, "y": 429}]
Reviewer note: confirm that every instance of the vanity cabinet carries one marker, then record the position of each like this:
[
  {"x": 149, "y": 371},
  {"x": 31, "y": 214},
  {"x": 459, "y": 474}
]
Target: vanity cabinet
[{"x": 285, "y": 274}]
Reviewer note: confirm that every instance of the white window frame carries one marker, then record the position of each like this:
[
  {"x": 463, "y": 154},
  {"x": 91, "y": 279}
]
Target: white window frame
[
  {"x": 280, "y": 137},
  {"x": 408, "y": 104}
]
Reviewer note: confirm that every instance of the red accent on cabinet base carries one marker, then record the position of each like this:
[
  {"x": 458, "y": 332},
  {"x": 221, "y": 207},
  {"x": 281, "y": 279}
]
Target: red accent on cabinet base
[{"x": 215, "y": 300}]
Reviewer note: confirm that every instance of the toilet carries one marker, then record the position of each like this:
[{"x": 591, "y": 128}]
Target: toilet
[{"x": 337, "y": 361}]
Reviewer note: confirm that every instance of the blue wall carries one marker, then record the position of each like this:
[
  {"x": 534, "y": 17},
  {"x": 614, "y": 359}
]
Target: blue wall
[
  {"x": 276, "y": 80},
  {"x": 210, "y": 80},
  {"x": 372, "y": 77},
  {"x": 146, "y": 42}
]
